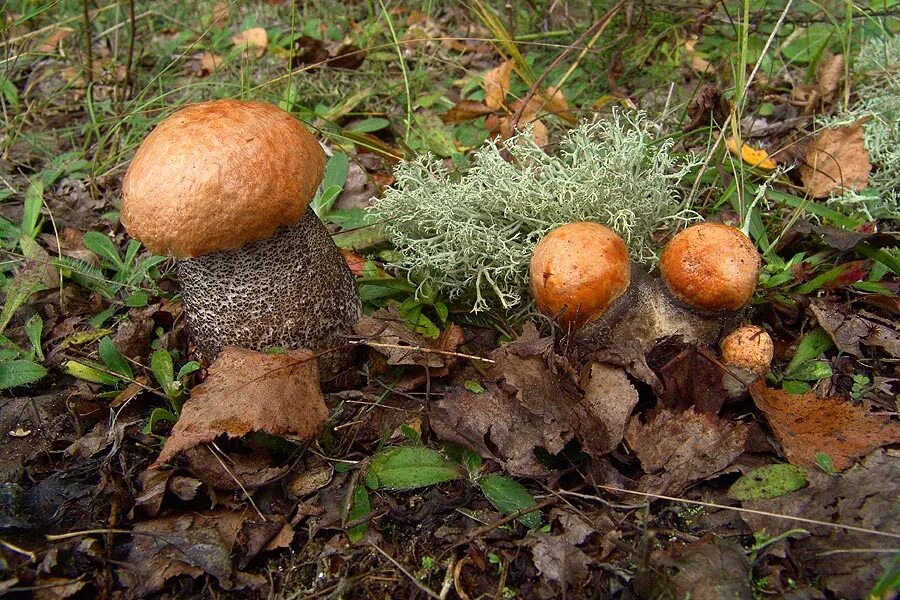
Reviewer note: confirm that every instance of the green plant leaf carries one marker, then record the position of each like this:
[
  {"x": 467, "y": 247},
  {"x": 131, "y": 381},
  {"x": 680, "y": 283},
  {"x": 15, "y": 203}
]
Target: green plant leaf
[
  {"x": 473, "y": 386},
  {"x": 360, "y": 506},
  {"x": 19, "y": 372},
  {"x": 33, "y": 329},
  {"x": 369, "y": 125},
  {"x": 825, "y": 463},
  {"x": 103, "y": 247},
  {"x": 19, "y": 289},
  {"x": 187, "y": 368},
  {"x": 113, "y": 359},
  {"x": 812, "y": 345},
  {"x": 509, "y": 496},
  {"x": 406, "y": 468},
  {"x": 137, "y": 299},
  {"x": 89, "y": 372},
  {"x": 34, "y": 199},
  {"x": 164, "y": 371},
  {"x": 809, "y": 44},
  {"x": 813, "y": 370},
  {"x": 157, "y": 415},
  {"x": 336, "y": 172},
  {"x": 769, "y": 481}
]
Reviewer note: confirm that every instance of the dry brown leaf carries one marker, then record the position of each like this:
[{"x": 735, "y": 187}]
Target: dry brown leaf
[
  {"x": 203, "y": 64},
  {"x": 388, "y": 335},
  {"x": 678, "y": 449},
  {"x": 848, "y": 328},
  {"x": 836, "y": 158},
  {"x": 806, "y": 425},
  {"x": 57, "y": 588},
  {"x": 830, "y": 72},
  {"x": 533, "y": 401},
  {"x": 251, "y": 391},
  {"x": 53, "y": 40},
  {"x": 253, "y": 41},
  {"x": 466, "y": 110},
  {"x": 496, "y": 85},
  {"x": 219, "y": 13},
  {"x": 708, "y": 569}
]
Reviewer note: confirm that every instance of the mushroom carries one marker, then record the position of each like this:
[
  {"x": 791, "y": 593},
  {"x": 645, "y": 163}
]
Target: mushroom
[
  {"x": 747, "y": 353},
  {"x": 711, "y": 267},
  {"x": 577, "y": 271},
  {"x": 224, "y": 187}
]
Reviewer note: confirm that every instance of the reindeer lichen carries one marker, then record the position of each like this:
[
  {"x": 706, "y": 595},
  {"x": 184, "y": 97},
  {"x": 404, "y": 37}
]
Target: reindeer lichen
[{"x": 470, "y": 237}]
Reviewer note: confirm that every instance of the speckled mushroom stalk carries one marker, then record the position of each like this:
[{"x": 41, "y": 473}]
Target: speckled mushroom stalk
[{"x": 225, "y": 188}]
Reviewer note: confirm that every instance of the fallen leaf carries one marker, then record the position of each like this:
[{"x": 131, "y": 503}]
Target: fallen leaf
[
  {"x": 843, "y": 562},
  {"x": 466, "y": 110},
  {"x": 806, "y": 425},
  {"x": 692, "y": 379},
  {"x": 557, "y": 559},
  {"x": 56, "y": 36},
  {"x": 752, "y": 156},
  {"x": 708, "y": 569},
  {"x": 57, "y": 588},
  {"x": 203, "y": 64},
  {"x": 678, "y": 449},
  {"x": 708, "y": 108},
  {"x": 496, "y": 85},
  {"x": 219, "y": 15},
  {"x": 829, "y": 73},
  {"x": 241, "y": 470},
  {"x": 386, "y": 332},
  {"x": 250, "y": 391},
  {"x": 836, "y": 158},
  {"x": 532, "y": 400},
  {"x": 253, "y": 41},
  {"x": 849, "y": 329}
]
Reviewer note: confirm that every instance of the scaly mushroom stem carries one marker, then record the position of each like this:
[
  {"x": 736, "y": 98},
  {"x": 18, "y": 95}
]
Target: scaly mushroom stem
[{"x": 292, "y": 290}]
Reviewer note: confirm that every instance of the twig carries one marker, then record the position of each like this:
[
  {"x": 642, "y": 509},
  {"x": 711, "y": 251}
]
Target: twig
[
  {"x": 412, "y": 578},
  {"x": 213, "y": 448},
  {"x": 12, "y": 547},
  {"x": 751, "y": 511},
  {"x": 419, "y": 349}
]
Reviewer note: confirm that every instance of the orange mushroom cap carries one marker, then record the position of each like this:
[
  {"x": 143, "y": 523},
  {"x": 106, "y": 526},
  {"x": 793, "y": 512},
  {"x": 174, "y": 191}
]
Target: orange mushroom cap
[
  {"x": 749, "y": 348},
  {"x": 711, "y": 266},
  {"x": 577, "y": 271}
]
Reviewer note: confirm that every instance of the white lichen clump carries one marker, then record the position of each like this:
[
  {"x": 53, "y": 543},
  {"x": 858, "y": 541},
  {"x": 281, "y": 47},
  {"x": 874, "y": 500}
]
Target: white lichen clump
[
  {"x": 878, "y": 64},
  {"x": 470, "y": 237}
]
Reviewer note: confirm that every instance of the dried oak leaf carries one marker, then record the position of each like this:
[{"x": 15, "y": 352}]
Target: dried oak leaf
[
  {"x": 849, "y": 329},
  {"x": 865, "y": 496},
  {"x": 251, "y": 391},
  {"x": 253, "y": 41},
  {"x": 708, "y": 569},
  {"x": 678, "y": 449},
  {"x": 805, "y": 425},
  {"x": 532, "y": 400},
  {"x": 836, "y": 158},
  {"x": 496, "y": 85},
  {"x": 386, "y": 333}
]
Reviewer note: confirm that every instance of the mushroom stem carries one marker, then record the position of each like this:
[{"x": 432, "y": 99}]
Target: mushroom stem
[{"x": 292, "y": 290}]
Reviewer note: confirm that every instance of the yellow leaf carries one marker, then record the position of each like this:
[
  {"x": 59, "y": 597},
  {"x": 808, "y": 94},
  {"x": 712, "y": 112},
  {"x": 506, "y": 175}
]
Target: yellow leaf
[
  {"x": 254, "y": 41},
  {"x": 751, "y": 156}
]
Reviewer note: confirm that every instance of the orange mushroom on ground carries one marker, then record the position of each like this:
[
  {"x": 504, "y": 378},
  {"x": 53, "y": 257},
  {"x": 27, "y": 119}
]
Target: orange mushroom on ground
[{"x": 747, "y": 352}]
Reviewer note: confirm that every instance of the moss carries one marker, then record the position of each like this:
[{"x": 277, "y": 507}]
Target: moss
[{"x": 470, "y": 237}]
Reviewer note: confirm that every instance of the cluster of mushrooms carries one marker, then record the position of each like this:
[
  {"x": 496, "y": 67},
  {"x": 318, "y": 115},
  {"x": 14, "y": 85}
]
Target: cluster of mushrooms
[
  {"x": 582, "y": 278},
  {"x": 225, "y": 188}
]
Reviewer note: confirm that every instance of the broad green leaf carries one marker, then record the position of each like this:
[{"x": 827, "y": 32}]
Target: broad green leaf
[
  {"x": 406, "y": 468},
  {"x": 808, "y": 45},
  {"x": 19, "y": 289},
  {"x": 113, "y": 359},
  {"x": 473, "y": 386},
  {"x": 89, "y": 373},
  {"x": 137, "y": 299},
  {"x": 770, "y": 481},
  {"x": 19, "y": 372},
  {"x": 813, "y": 370},
  {"x": 33, "y": 329},
  {"x": 157, "y": 415},
  {"x": 332, "y": 184},
  {"x": 34, "y": 199},
  {"x": 369, "y": 125},
  {"x": 509, "y": 496},
  {"x": 812, "y": 345},
  {"x": 103, "y": 247},
  {"x": 187, "y": 368},
  {"x": 164, "y": 371},
  {"x": 360, "y": 506},
  {"x": 825, "y": 463}
]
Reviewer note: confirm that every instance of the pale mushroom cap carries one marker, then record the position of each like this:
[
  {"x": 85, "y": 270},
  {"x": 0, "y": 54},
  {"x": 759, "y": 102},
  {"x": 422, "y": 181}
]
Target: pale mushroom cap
[
  {"x": 711, "y": 266},
  {"x": 216, "y": 175},
  {"x": 577, "y": 271},
  {"x": 750, "y": 348}
]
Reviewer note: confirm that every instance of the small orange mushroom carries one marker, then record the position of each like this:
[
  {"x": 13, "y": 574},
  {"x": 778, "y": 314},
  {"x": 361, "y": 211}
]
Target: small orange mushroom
[{"x": 747, "y": 352}]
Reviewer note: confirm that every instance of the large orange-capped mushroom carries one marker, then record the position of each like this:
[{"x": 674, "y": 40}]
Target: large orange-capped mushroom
[
  {"x": 711, "y": 266},
  {"x": 577, "y": 271}
]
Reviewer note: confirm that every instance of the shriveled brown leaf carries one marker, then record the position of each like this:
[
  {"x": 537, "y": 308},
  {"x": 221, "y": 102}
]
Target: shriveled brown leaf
[
  {"x": 251, "y": 391},
  {"x": 386, "y": 332},
  {"x": 692, "y": 379},
  {"x": 496, "y": 85},
  {"x": 203, "y": 64},
  {"x": 836, "y": 158},
  {"x": 844, "y": 562},
  {"x": 557, "y": 559},
  {"x": 830, "y": 73},
  {"x": 805, "y": 425},
  {"x": 466, "y": 110},
  {"x": 708, "y": 569},
  {"x": 253, "y": 41},
  {"x": 533, "y": 400},
  {"x": 57, "y": 588},
  {"x": 849, "y": 329},
  {"x": 678, "y": 449},
  {"x": 55, "y": 37},
  {"x": 238, "y": 471}
]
